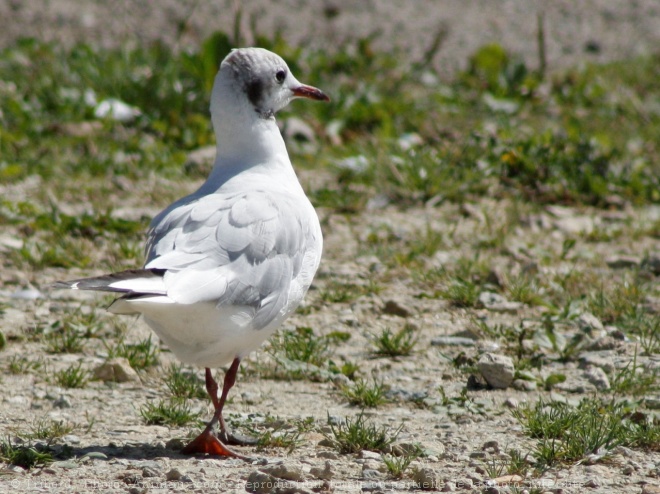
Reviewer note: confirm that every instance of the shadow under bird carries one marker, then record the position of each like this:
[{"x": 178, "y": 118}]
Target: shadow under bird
[{"x": 229, "y": 263}]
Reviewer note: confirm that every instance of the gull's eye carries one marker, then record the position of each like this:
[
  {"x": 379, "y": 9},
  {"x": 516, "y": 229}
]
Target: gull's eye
[{"x": 280, "y": 76}]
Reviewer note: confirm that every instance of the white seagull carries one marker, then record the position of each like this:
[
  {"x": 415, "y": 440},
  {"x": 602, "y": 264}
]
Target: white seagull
[{"x": 229, "y": 263}]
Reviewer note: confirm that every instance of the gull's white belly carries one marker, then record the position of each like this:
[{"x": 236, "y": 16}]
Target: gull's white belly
[{"x": 202, "y": 334}]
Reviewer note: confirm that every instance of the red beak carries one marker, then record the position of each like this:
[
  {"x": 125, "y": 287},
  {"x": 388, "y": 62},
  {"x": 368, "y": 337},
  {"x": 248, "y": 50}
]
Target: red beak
[{"x": 310, "y": 92}]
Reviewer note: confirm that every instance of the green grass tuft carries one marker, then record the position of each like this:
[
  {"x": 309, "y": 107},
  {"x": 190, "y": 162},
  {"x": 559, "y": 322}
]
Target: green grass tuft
[
  {"x": 72, "y": 377},
  {"x": 399, "y": 344},
  {"x": 184, "y": 383},
  {"x": 301, "y": 345},
  {"x": 397, "y": 465},
  {"x": 356, "y": 435},
  {"x": 24, "y": 455},
  {"x": 173, "y": 412},
  {"x": 139, "y": 355},
  {"x": 48, "y": 429},
  {"x": 363, "y": 394},
  {"x": 567, "y": 434},
  {"x": 18, "y": 364}
]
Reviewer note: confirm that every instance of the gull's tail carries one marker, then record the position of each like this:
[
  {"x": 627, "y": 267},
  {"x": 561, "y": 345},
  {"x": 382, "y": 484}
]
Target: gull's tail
[
  {"x": 134, "y": 284},
  {"x": 131, "y": 282}
]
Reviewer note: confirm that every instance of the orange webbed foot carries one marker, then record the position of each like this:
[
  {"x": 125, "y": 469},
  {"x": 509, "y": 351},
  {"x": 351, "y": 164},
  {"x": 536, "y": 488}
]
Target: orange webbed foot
[{"x": 207, "y": 443}]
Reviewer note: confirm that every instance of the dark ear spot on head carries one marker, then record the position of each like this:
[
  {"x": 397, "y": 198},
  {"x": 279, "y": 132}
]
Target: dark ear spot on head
[{"x": 254, "y": 91}]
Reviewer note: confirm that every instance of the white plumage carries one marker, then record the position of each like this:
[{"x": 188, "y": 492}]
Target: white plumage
[{"x": 228, "y": 263}]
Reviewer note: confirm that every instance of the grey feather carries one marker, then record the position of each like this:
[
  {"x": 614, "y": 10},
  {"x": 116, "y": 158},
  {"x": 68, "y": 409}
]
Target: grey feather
[{"x": 242, "y": 250}]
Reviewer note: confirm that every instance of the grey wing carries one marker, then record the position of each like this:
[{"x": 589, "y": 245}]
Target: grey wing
[{"x": 244, "y": 250}]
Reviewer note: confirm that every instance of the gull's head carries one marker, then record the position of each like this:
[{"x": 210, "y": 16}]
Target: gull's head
[{"x": 264, "y": 80}]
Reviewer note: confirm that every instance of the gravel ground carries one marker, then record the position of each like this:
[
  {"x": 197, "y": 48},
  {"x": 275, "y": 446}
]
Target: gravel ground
[{"x": 115, "y": 452}]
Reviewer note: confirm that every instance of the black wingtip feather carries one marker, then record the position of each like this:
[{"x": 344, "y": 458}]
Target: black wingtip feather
[{"x": 101, "y": 283}]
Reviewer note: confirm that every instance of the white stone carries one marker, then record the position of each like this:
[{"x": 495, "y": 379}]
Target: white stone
[{"x": 497, "y": 370}]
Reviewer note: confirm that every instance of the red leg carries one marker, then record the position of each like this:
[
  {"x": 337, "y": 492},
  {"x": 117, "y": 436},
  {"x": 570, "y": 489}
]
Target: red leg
[
  {"x": 230, "y": 380},
  {"x": 212, "y": 388},
  {"x": 206, "y": 442}
]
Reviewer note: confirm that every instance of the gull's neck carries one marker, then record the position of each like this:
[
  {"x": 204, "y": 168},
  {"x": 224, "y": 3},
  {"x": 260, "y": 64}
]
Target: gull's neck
[{"x": 245, "y": 141}]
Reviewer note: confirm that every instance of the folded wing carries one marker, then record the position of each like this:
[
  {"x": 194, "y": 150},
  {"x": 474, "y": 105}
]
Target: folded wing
[{"x": 243, "y": 250}]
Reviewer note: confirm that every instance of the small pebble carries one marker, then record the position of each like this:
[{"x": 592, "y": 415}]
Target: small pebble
[
  {"x": 590, "y": 324},
  {"x": 622, "y": 262},
  {"x": 597, "y": 377},
  {"x": 523, "y": 385},
  {"x": 498, "y": 370},
  {"x": 398, "y": 308},
  {"x": 117, "y": 110},
  {"x": 426, "y": 479},
  {"x": 651, "y": 264},
  {"x": 403, "y": 449},
  {"x": 71, "y": 439},
  {"x": 596, "y": 359},
  {"x": 150, "y": 472},
  {"x": 132, "y": 478},
  {"x": 511, "y": 402},
  {"x": 335, "y": 420},
  {"x": 62, "y": 402},
  {"x": 497, "y": 303},
  {"x": 452, "y": 341},
  {"x": 448, "y": 486},
  {"x": 174, "y": 474},
  {"x": 491, "y": 446},
  {"x": 326, "y": 473},
  {"x": 116, "y": 370},
  {"x": 370, "y": 474},
  {"x": 464, "y": 483},
  {"x": 593, "y": 483},
  {"x": 369, "y": 455},
  {"x": 260, "y": 483},
  {"x": 286, "y": 472},
  {"x": 330, "y": 455},
  {"x": 607, "y": 342},
  {"x": 175, "y": 444}
]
